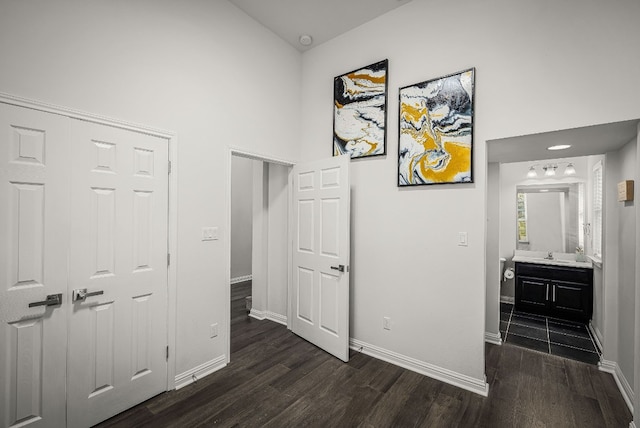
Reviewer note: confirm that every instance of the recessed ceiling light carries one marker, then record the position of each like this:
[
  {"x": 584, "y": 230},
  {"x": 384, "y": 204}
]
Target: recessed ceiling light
[
  {"x": 305, "y": 40},
  {"x": 559, "y": 147}
]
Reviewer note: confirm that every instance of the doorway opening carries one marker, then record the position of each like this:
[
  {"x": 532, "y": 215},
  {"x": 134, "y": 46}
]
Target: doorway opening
[
  {"x": 258, "y": 251},
  {"x": 520, "y": 161}
]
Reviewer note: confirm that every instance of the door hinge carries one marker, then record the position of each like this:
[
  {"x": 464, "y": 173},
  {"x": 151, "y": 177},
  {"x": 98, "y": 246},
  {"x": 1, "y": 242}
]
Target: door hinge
[
  {"x": 169, "y": 167},
  {"x": 167, "y": 352},
  {"x": 168, "y": 259}
]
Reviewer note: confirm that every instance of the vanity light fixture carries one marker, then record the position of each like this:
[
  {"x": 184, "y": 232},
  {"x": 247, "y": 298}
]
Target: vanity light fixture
[
  {"x": 559, "y": 147},
  {"x": 550, "y": 169}
]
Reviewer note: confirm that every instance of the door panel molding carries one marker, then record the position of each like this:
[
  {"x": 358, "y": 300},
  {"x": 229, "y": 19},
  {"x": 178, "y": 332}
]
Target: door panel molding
[
  {"x": 31, "y": 151},
  {"x": 172, "y": 138},
  {"x": 321, "y": 253}
]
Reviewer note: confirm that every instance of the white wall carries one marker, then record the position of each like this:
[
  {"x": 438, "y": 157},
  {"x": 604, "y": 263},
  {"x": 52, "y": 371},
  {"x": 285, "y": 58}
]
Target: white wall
[
  {"x": 535, "y": 73},
  {"x": 241, "y": 216},
  {"x": 494, "y": 274},
  {"x": 199, "y": 68},
  {"x": 278, "y": 232},
  {"x": 636, "y": 382},
  {"x": 627, "y": 259},
  {"x": 269, "y": 244},
  {"x": 620, "y": 308}
]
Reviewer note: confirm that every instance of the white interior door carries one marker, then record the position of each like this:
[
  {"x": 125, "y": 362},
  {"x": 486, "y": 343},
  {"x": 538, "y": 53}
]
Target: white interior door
[
  {"x": 320, "y": 277},
  {"x": 33, "y": 264},
  {"x": 117, "y": 339}
]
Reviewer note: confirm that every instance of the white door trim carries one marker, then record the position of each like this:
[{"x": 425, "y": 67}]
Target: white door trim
[
  {"x": 237, "y": 151},
  {"x": 173, "y": 200}
]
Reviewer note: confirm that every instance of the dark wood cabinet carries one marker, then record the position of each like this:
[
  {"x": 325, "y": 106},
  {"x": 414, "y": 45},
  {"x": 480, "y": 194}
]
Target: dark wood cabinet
[{"x": 556, "y": 291}]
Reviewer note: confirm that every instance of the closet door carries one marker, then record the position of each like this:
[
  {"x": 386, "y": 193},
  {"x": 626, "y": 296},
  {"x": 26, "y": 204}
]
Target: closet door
[
  {"x": 33, "y": 265},
  {"x": 118, "y": 271}
]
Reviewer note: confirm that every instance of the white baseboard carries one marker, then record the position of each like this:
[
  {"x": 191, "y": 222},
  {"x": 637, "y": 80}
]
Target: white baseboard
[
  {"x": 479, "y": 386},
  {"x": 597, "y": 336},
  {"x": 507, "y": 299},
  {"x": 623, "y": 385},
  {"x": 280, "y": 319},
  {"x": 197, "y": 373},
  {"x": 259, "y": 315},
  {"x": 268, "y": 315},
  {"x": 494, "y": 338},
  {"x": 241, "y": 279}
]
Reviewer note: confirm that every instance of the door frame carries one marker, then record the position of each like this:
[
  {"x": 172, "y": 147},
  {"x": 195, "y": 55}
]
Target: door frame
[
  {"x": 172, "y": 226},
  {"x": 240, "y": 152}
]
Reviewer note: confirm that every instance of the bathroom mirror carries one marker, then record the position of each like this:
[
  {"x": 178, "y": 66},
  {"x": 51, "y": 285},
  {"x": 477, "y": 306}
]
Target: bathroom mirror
[{"x": 550, "y": 217}]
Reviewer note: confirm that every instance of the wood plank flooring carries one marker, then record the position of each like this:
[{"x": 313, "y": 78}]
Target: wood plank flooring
[{"x": 276, "y": 379}]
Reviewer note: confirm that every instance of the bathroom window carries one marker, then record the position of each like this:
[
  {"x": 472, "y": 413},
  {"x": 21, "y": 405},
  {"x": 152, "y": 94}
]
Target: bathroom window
[
  {"x": 596, "y": 230},
  {"x": 523, "y": 236}
]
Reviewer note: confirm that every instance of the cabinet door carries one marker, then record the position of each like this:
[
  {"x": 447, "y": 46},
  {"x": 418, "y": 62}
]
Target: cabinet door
[
  {"x": 532, "y": 294},
  {"x": 570, "y": 300}
]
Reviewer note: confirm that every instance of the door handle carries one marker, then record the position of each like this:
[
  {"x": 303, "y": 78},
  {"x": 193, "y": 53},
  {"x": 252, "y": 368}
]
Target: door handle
[
  {"x": 338, "y": 268},
  {"x": 547, "y": 298},
  {"x": 52, "y": 300},
  {"x": 80, "y": 294}
]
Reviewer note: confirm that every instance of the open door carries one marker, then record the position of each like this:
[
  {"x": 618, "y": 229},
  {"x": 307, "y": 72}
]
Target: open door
[{"x": 320, "y": 277}]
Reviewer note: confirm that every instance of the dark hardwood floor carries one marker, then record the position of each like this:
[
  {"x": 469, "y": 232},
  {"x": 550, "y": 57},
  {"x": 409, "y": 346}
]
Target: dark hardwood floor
[{"x": 276, "y": 379}]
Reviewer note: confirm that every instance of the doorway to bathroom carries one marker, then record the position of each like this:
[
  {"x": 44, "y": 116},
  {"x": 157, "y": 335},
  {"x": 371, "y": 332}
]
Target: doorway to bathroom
[{"x": 527, "y": 161}]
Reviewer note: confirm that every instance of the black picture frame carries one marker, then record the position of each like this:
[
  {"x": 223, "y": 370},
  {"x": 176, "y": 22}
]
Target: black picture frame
[
  {"x": 435, "y": 130},
  {"x": 360, "y": 111}
]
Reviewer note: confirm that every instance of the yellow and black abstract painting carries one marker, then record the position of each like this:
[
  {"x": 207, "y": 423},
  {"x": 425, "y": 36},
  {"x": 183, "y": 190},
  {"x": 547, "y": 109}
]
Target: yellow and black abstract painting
[
  {"x": 360, "y": 111},
  {"x": 436, "y": 131}
]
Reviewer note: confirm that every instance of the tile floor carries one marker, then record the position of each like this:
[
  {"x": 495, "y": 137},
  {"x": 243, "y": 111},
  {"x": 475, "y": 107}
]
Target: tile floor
[{"x": 550, "y": 335}]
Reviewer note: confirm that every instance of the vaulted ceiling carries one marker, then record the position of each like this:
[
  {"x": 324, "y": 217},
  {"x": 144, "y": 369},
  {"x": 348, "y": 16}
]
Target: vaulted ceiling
[{"x": 321, "y": 19}]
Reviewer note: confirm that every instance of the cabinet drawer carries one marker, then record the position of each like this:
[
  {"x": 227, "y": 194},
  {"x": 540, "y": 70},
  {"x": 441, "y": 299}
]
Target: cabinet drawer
[{"x": 559, "y": 273}]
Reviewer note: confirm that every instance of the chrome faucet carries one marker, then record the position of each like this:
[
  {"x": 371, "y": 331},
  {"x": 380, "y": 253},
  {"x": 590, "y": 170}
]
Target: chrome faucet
[{"x": 549, "y": 255}]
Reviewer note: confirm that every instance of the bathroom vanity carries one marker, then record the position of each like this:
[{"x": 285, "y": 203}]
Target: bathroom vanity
[{"x": 559, "y": 288}]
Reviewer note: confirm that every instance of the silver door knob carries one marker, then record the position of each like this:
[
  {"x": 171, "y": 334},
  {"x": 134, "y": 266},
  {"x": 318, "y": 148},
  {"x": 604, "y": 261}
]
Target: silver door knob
[
  {"x": 52, "y": 300},
  {"x": 80, "y": 294},
  {"x": 339, "y": 268}
]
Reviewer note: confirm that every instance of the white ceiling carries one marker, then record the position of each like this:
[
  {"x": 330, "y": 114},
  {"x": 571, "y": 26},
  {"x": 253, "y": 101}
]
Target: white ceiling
[
  {"x": 586, "y": 141},
  {"x": 321, "y": 19}
]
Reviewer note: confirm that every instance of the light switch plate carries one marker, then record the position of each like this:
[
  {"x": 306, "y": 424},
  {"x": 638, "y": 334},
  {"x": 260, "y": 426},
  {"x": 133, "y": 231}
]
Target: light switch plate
[
  {"x": 214, "y": 330},
  {"x": 209, "y": 233},
  {"x": 462, "y": 239}
]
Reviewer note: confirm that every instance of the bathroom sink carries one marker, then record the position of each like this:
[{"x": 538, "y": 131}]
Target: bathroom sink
[
  {"x": 541, "y": 258},
  {"x": 544, "y": 260}
]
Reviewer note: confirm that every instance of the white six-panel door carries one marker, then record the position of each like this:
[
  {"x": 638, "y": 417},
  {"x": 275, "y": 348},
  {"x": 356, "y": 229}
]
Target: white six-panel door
[
  {"x": 82, "y": 206},
  {"x": 33, "y": 264},
  {"x": 117, "y": 339},
  {"x": 320, "y": 277}
]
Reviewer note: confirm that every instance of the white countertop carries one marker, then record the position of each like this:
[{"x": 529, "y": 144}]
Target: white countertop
[{"x": 559, "y": 259}]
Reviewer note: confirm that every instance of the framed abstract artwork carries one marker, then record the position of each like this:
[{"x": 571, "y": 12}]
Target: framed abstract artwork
[
  {"x": 360, "y": 111},
  {"x": 435, "y": 144}
]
